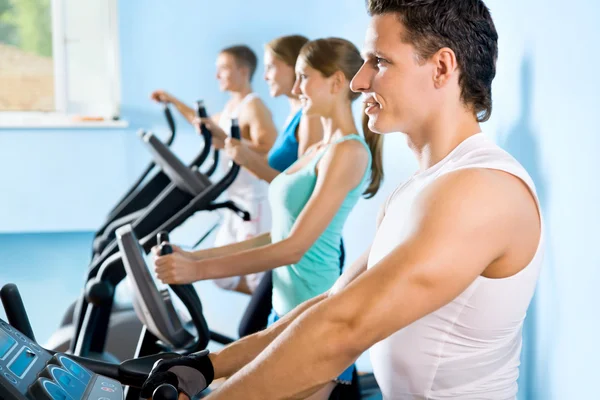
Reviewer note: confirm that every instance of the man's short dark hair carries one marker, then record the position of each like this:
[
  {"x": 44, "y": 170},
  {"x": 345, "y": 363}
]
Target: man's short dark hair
[
  {"x": 466, "y": 27},
  {"x": 244, "y": 56}
]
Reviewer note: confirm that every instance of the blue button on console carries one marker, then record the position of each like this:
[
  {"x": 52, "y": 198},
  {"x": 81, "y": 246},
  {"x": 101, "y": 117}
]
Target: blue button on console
[
  {"x": 73, "y": 386},
  {"x": 55, "y": 391},
  {"x": 75, "y": 369},
  {"x": 10, "y": 378}
]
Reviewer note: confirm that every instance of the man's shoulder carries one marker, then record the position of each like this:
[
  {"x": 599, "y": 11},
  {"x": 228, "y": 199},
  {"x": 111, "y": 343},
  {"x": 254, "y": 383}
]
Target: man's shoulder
[
  {"x": 477, "y": 199},
  {"x": 255, "y": 103},
  {"x": 479, "y": 181}
]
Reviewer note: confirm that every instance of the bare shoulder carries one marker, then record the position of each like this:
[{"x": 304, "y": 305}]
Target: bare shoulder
[
  {"x": 352, "y": 151},
  {"x": 484, "y": 203},
  {"x": 348, "y": 160},
  {"x": 255, "y": 107}
]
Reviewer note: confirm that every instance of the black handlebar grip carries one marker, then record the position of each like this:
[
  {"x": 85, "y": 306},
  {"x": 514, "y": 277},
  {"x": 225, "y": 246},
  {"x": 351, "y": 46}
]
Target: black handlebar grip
[
  {"x": 15, "y": 310},
  {"x": 164, "y": 248},
  {"x": 201, "y": 112},
  {"x": 201, "y": 109},
  {"x": 170, "y": 122},
  {"x": 235, "y": 129},
  {"x": 165, "y": 392}
]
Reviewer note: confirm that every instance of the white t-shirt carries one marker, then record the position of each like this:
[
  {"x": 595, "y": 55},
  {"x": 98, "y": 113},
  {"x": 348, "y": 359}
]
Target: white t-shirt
[{"x": 470, "y": 348}]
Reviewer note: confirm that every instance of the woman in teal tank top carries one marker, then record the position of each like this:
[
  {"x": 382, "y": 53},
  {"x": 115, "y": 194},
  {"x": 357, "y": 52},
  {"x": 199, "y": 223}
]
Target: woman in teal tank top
[
  {"x": 310, "y": 200},
  {"x": 300, "y": 132}
]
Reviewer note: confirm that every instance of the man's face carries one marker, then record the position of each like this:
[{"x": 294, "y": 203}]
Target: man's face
[
  {"x": 229, "y": 74},
  {"x": 398, "y": 90}
]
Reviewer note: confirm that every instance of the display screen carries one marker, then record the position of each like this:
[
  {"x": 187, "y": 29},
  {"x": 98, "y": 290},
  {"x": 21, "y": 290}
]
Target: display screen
[
  {"x": 21, "y": 364},
  {"x": 6, "y": 344}
]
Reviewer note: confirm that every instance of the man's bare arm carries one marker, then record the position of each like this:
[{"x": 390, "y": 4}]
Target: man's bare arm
[
  {"x": 454, "y": 239},
  {"x": 263, "y": 132},
  {"x": 232, "y": 358}
]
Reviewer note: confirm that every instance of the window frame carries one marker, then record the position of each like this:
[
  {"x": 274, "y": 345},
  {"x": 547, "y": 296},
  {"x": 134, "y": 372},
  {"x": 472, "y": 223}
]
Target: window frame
[{"x": 60, "y": 117}]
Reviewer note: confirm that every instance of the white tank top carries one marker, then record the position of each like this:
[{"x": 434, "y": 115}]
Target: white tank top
[
  {"x": 470, "y": 348},
  {"x": 246, "y": 187}
]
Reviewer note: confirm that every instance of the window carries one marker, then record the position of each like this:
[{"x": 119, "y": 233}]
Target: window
[
  {"x": 58, "y": 62},
  {"x": 26, "y": 69}
]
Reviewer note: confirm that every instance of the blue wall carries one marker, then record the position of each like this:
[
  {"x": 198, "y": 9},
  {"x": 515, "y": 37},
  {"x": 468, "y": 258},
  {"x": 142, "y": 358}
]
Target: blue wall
[
  {"x": 545, "y": 101},
  {"x": 49, "y": 270}
]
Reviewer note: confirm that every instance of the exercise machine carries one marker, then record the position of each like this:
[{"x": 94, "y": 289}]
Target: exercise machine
[
  {"x": 146, "y": 188},
  {"x": 166, "y": 330},
  {"x": 92, "y": 321},
  {"x": 30, "y": 372},
  {"x": 184, "y": 184}
]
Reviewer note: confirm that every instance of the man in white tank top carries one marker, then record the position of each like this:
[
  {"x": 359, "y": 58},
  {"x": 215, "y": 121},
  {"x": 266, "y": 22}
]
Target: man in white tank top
[
  {"x": 441, "y": 294},
  {"x": 235, "y": 67}
]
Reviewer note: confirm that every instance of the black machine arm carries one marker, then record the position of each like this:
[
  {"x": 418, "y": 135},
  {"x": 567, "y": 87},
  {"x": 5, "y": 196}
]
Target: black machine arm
[
  {"x": 215, "y": 163},
  {"x": 15, "y": 310},
  {"x": 118, "y": 210},
  {"x": 168, "y": 142},
  {"x": 230, "y": 205},
  {"x": 206, "y": 135},
  {"x": 189, "y": 297}
]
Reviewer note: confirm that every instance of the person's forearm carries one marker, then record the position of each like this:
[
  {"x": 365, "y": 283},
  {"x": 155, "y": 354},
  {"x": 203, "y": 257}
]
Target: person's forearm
[
  {"x": 187, "y": 112},
  {"x": 263, "y": 171},
  {"x": 352, "y": 272},
  {"x": 259, "y": 166},
  {"x": 250, "y": 261},
  {"x": 257, "y": 241},
  {"x": 232, "y": 358},
  {"x": 261, "y": 149},
  {"x": 311, "y": 351}
]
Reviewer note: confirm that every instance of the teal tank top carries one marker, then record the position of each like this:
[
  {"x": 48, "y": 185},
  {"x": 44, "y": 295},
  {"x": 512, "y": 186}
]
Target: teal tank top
[{"x": 319, "y": 268}]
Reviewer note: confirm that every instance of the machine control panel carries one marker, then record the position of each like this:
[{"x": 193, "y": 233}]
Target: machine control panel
[{"x": 28, "y": 372}]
